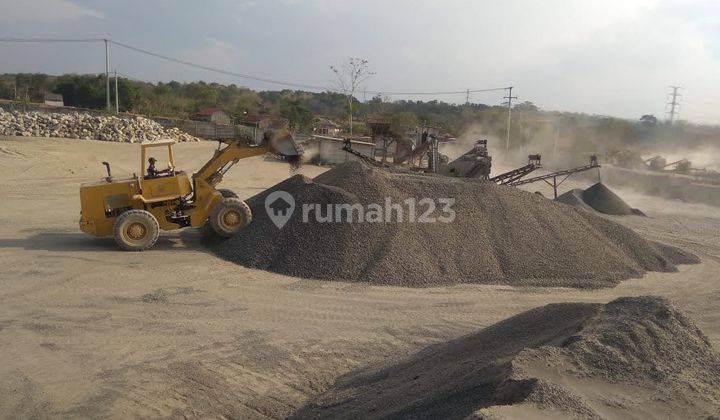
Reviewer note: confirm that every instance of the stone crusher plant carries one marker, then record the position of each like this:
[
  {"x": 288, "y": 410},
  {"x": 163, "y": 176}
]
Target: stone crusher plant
[{"x": 131, "y": 129}]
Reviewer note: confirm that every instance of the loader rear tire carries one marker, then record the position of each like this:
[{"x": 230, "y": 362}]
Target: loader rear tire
[
  {"x": 136, "y": 230},
  {"x": 230, "y": 216},
  {"x": 227, "y": 193}
]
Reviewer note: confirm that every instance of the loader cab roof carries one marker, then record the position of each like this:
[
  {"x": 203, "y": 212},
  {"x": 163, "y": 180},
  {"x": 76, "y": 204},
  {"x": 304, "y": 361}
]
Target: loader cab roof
[{"x": 158, "y": 143}]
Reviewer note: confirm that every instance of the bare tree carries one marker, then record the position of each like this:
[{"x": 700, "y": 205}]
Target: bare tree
[{"x": 348, "y": 77}]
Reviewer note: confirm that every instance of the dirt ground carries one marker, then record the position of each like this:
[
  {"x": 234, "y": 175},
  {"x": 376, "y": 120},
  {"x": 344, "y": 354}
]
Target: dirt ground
[{"x": 89, "y": 331}]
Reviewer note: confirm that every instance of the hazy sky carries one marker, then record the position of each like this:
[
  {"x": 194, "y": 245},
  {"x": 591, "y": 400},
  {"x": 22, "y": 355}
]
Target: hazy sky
[{"x": 605, "y": 57}]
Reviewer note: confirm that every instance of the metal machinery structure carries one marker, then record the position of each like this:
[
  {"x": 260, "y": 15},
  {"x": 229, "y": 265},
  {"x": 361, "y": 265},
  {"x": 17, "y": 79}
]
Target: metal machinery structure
[
  {"x": 682, "y": 166},
  {"x": 555, "y": 175},
  {"x": 656, "y": 163},
  {"x": 135, "y": 209},
  {"x": 475, "y": 163},
  {"x": 509, "y": 177},
  {"x": 347, "y": 146}
]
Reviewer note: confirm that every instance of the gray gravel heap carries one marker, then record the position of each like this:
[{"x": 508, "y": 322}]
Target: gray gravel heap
[
  {"x": 86, "y": 126},
  {"x": 500, "y": 235},
  {"x": 624, "y": 359},
  {"x": 598, "y": 198}
]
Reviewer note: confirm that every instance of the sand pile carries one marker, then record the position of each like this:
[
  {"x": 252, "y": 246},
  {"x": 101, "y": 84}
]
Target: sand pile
[
  {"x": 499, "y": 235},
  {"x": 86, "y": 126},
  {"x": 598, "y": 198},
  {"x": 633, "y": 357}
]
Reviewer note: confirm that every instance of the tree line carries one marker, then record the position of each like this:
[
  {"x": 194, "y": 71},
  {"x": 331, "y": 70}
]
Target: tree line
[{"x": 576, "y": 132}]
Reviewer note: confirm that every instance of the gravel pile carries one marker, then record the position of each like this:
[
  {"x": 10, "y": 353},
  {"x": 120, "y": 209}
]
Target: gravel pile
[
  {"x": 86, "y": 126},
  {"x": 631, "y": 358},
  {"x": 499, "y": 235},
  {"x": 598, "y": 198}
]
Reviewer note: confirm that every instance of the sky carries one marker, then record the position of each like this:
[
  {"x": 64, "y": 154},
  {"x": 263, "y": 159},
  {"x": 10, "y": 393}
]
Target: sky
[{"x": 607, "y": 57}]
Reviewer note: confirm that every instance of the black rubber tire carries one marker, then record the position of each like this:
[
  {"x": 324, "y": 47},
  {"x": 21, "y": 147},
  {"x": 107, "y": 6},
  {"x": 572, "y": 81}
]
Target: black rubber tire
[
  {"x": 227, "y": 193},
  {"x": 139, "y": 222},
  {"x": 230, "y": 217},
  {"x": 206, "y": 230}
]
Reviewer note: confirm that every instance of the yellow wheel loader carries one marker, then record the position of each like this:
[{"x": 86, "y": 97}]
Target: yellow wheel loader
[{"x": 134, "y": 210}]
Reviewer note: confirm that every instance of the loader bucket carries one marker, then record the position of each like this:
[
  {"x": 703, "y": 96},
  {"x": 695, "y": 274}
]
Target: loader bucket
[{"x": 282, "y": 143}]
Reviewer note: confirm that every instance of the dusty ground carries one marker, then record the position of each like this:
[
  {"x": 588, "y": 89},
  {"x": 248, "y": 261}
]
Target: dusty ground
[{"x": 87, "y": 330}]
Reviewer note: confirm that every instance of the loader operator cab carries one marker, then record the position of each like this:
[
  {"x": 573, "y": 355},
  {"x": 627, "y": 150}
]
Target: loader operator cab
[
  {"x": 161, "y": 184},
  {"x": 153, "y": 172}
]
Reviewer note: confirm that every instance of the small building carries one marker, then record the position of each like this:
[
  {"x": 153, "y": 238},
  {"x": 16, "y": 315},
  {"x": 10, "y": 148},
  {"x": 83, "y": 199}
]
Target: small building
[
  {"x": 53, "y": 99},
  {"x": 215, "y": 115},
  {"x": 328, "y": 150},
  {"x": 260, "y": 123},
  {"x": 326, "y": 127}
]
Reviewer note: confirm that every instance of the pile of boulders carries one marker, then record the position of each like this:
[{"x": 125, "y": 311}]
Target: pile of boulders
[{"x": 85, "y": 126}]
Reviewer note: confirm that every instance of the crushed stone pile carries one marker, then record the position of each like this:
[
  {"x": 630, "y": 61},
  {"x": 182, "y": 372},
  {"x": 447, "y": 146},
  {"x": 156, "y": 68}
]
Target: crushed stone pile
[
  {"x": 598, "y": 198},
  {"x": 499, "y": 235},
  {"x": 86, "y": 126},
  {"x": 636, "y": 357}
]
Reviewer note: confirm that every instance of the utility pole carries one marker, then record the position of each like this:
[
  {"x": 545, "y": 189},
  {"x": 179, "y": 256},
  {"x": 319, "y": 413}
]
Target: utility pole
[
  {"x": 509, "y": 98},
  {"x": 467, "y": 97},
  {"x": 117, "y": 100},
  {"x": 107, "y": 75},
  {"x": 674, "y": 103},
  {"x": 555, "y": 142}
]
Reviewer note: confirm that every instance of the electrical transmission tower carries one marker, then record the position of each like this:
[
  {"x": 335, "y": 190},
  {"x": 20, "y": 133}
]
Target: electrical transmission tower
[
  {"x": 509, "y": 98},
  {"x": 674, "y": 105}
]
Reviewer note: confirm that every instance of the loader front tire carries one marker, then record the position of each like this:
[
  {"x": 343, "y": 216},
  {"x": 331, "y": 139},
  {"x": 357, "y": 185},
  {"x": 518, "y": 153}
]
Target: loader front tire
[
  {"x": 136, "y": 230},
  {"x": 230, "y": 216}
]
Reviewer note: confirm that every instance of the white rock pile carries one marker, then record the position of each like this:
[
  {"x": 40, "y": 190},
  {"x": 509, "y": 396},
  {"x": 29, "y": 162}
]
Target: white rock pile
[{"x": 86, "y": 126}]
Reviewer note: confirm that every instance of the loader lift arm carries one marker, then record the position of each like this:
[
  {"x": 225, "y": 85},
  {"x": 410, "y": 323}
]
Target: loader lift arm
[
  {"x": 225, "y": 158},
  {"x": 211, "y": 174},
  {"x": 205, "y": 196}
]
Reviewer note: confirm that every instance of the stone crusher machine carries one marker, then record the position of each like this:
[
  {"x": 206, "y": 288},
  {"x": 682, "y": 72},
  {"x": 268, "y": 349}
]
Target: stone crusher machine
[
  {"x": 476, "y": 163},
  {"x": 134, "y": 210}
]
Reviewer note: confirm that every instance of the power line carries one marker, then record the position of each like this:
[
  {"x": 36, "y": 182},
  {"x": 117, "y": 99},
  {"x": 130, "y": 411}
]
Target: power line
[
  {"x": 167, "y": 58},
  {"x": 283, "y": 83},
  {"x": 235, "y": 74},
  {"x": 46, "y": 40},
  {"x": 457, "y": 92},
  {"x": 215, "y": 69}
]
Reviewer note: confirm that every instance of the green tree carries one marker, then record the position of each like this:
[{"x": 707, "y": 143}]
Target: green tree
[
  {"x": 82, "y": 91},
  {"x": 300, "y": 117}
]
